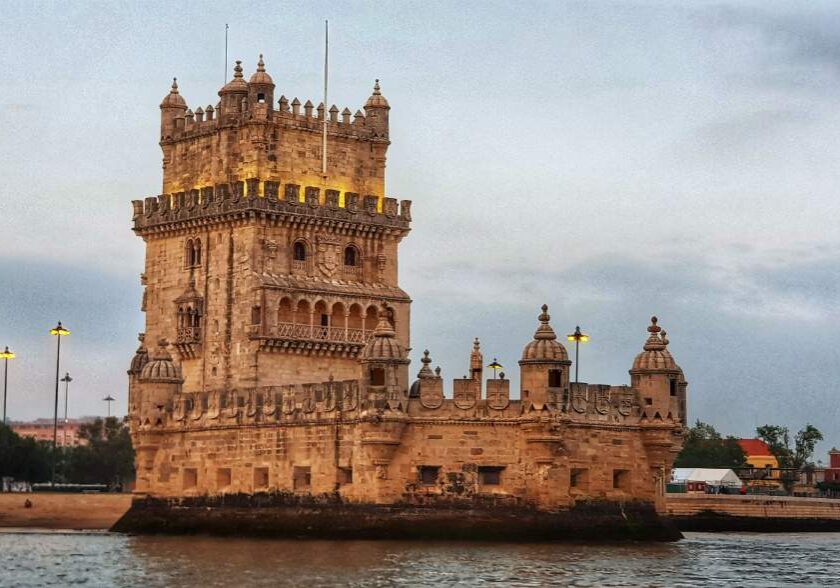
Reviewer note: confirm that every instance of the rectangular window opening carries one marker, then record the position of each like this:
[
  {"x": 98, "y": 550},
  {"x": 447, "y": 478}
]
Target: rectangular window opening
[
  {"x": 579, "y": 478},
  {"x": 302, "y": 478},
  {"x": 190, "y": 479},
  {"x": 345, "y": 476},
  {"x": 490, "y": 475},
  {"x": 222, "y": 478},
  {"x": 555, "y": 378},
  {"x": 621, "y": 479},
  {"x": 428, "y": 475},
  {"x": 260, "y": 477}
]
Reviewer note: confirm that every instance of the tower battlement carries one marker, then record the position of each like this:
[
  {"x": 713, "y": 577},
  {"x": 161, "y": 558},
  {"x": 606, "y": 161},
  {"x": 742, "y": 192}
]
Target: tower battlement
[
  {"x": 245, "y": 136},
  {"x": 211, "y": 204}
]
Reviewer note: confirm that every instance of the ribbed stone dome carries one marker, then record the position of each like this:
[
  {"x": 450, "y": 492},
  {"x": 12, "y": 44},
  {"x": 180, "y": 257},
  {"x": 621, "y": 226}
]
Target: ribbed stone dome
[
  {"x": 655, "y": 356},
  {"x": 544, "y": 347},
  {"x": 174, "y": 97},
  {"x": 383, "y": 346},
  {"x": 139, "y": 361},
  {"x": 260, "y": 76},
  {"x": 237, "y": 84},
  {"x": 376, "y": 100},
  {"x": 161, "y": 369}
]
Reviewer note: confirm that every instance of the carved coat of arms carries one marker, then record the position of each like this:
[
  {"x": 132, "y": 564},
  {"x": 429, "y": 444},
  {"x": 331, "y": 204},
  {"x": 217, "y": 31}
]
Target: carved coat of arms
[
  {"x": 328, "y": 255},
  {"x": 498, "y": 398},
  {"x": 579, "y": 400}
]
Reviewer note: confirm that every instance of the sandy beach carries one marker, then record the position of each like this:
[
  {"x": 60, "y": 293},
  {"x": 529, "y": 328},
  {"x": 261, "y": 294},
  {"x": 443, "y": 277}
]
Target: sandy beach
[{"x": 62, "y": 511}]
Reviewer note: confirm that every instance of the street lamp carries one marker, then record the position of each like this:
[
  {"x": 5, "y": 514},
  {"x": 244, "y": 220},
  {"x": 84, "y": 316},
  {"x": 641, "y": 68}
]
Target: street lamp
[
  {"x": 66, "y": 379},
  {"x": 6, "y": 355},
  {"x": 578, "y": 338},
  {"x": 495, "y": 366},
  {"x": 109, "y": 399},
  {"x": 58, "y": 331}
]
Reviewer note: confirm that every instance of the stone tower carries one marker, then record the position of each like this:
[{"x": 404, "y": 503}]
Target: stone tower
[{"x": 260, "y": 270}]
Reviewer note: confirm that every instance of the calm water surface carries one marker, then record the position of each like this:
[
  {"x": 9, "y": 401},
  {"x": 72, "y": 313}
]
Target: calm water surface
[{"x": 57, "y": 559}]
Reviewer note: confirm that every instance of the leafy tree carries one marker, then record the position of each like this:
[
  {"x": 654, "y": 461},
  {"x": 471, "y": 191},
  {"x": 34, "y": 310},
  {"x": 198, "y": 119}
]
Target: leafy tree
[
  {"x": 23, "y": 458},
  {"x": 705, "y": 448},
  {"x": 107, "y": 458},
  {"x": 778, "y": 439}
]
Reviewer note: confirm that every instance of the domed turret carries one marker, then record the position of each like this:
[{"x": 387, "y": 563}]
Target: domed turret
[
  {"x": 544, "y": 367},
  {"x": 655, "y": 357},
  {"x": 172, "y": 106},
  {"x": 174, "y": 98},
  {"x": 376, "y": 113},
  {"x": 260, "y": 76},
  {"x": 377, "y": 100},
  {"x": 160, "y": 369},
  {"x": 233, "y": 93},
  {"x": 140, "y": 359},
  {"x": 545, "y": 346},
  {"x": 383, "y": 346},
  {"x": 658, "y": 378},
  {"x": 385, "y": 366},
  {"x": 261, "y": 93}
]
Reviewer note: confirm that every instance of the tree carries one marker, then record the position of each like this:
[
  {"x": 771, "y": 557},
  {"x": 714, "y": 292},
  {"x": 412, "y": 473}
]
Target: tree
[
  {"x": 107, "y": 458},
  {"x": 778, "y": 439},
  {"x": 23, "y": 458},
  {"x": 705, "y": 448}
]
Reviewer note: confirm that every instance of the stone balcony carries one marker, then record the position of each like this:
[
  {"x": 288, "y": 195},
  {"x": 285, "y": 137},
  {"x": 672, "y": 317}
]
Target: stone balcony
[{"x": 306, "y": 339}]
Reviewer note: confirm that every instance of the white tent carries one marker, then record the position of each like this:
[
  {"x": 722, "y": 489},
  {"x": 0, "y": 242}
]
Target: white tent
[{"x": 711, "y": 477}]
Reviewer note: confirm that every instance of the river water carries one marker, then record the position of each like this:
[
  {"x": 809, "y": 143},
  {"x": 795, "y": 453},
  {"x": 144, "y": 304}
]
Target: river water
[{"x": 102, "y": 559}]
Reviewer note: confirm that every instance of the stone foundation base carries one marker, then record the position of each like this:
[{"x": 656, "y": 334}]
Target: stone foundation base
[
  {"x": 715, "y": 522},
  {"x": 285, "y": 515}
]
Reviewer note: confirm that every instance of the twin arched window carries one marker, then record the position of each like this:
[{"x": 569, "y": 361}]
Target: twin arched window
[{"x": 192, "y": 253}]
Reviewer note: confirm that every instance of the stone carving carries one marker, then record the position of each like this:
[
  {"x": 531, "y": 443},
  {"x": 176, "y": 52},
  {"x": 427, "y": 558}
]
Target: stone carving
[
  {"x": 579, "y": 400},
  {"x": 465, "y": 393},
  {"x": 329, "y": 255}
]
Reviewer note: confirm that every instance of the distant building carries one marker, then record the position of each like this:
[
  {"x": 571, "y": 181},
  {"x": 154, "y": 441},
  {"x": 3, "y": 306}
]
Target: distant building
[
  {"x": 42, "y": 430},
  {"x": 758, "y": 454},
  {"x": 832, "y": 472}
]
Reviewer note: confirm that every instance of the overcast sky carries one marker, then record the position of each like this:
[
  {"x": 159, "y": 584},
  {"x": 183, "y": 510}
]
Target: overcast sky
[{"x": 612, "y": 159}]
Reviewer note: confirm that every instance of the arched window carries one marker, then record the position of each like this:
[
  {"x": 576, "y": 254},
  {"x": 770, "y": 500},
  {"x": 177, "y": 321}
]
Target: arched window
[
  {"x": 197, "y": 252},
  {"x": 300, "y": 251},
  {"x": 188, "y": 253},
  {"x": 351, "y": 256}
]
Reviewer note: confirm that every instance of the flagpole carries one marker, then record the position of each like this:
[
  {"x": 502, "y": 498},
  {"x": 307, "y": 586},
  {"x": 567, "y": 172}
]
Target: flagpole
[
  {"x": 226, "y": 51},
  {"x": 326, "y": 106}
]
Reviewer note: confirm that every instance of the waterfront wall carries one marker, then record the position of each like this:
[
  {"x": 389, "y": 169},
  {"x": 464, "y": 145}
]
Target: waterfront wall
[
  {"x": 717, "y": 512},
  {"x": 328, "y": 517}
]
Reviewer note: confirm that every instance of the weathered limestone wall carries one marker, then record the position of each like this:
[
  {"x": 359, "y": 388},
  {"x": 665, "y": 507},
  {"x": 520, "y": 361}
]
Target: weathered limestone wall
[{"x": 686, "y": 505}]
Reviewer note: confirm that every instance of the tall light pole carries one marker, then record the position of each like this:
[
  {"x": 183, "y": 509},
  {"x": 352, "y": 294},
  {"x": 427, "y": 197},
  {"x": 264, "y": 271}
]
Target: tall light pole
[
  {"x": 66, "y": 379},
  {"x": 109, "y": 399},
  {"x": 578, "y": 338},
  {"x": 6, "y": 355},
  {"x": 59, "y": 332}
]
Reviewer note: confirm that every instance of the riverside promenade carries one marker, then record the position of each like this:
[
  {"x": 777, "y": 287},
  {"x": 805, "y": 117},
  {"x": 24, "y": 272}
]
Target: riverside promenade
[
  {"x": 722, "y": 512},
  {"x": 62, "y": 511}
]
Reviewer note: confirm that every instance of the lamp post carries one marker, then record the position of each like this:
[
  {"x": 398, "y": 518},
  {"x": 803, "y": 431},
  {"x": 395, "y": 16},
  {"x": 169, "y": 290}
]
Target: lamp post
[
  {"x": 58, "y": 331},
  {"x": 66, "y": 379},
  {"x": 495, "y": 366},
  {"x": 6, "y": 355},
  {"x": 578, "y": 338},
  {"x": 109, "y": 399}
]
